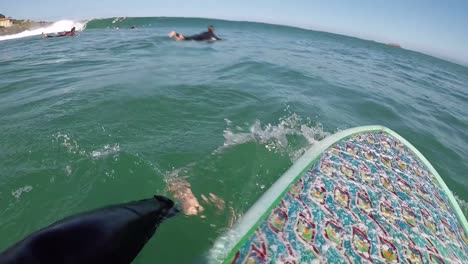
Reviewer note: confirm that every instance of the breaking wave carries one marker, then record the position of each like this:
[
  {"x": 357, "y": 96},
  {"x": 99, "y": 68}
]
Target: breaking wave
[{"x": 59, "y": 26}]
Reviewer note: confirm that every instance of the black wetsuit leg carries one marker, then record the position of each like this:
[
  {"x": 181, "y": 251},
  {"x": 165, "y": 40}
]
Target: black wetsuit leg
[{"x": 114, "y": 234}]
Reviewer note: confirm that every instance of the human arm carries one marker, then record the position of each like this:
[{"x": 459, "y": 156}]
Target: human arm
[{"x": 113, "y": 234}]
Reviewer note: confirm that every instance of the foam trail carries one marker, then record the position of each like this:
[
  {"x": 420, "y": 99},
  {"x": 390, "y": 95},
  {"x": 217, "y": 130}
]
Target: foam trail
[{"x": 59, "y": 26}]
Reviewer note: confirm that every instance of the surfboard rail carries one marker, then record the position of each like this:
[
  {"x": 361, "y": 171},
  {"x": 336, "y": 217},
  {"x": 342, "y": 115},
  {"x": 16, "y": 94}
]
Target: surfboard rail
[{"x": 225, "y": 247}]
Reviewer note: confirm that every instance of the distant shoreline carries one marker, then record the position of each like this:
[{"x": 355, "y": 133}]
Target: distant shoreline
[{"x": 20, "y": 25}]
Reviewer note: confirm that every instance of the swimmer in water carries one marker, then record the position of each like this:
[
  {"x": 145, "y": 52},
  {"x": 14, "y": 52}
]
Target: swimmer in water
[{"x": 205, "y": 36}]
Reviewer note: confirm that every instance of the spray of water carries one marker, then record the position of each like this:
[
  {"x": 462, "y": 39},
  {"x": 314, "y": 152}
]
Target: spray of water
[
  {"x": 276, "y": 137},
  {"x": 72, "y": 146},
  {"x": 463, "y": 205}
]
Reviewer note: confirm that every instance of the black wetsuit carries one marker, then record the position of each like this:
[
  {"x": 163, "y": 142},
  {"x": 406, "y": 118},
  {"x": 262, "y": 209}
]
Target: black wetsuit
[
  {"x": 208, "y": 35},
  {"x": 113, "y": 234},
  {"x": 66, "y": 34}
]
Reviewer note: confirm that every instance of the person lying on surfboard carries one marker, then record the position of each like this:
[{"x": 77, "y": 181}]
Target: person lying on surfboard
[
  {"x": 205, "y": 36},
  {"x": 63, "y": 34}
]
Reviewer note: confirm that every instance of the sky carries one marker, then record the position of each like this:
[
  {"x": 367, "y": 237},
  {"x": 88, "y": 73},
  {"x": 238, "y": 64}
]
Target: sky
[{"x": 435, "y": 27}]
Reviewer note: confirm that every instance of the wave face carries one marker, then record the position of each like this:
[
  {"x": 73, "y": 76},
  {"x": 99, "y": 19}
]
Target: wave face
[
  {"x": 126, "y": 22},
  {"x": 59, "y": 26}
]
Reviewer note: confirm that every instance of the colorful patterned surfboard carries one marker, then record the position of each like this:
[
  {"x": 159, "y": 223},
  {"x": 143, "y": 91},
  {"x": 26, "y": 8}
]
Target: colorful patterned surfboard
[{"x": 363, "y": 195}]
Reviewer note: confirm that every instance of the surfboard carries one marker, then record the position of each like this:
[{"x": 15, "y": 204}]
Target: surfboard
[{"x": 361, "y": 195}]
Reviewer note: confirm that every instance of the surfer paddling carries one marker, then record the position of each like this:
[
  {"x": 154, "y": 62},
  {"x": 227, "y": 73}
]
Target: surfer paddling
[
  {"x": 205, "y": 36},
  {"x": 72, "y": 32}
]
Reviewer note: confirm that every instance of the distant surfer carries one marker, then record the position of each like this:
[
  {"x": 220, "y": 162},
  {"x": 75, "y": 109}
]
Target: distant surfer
[
  {"x": 63, "y": 34},
  {"x": 205, "y": 36}
]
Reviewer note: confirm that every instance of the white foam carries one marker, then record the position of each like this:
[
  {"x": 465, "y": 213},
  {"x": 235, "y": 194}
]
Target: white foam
[
  {"x": 107, "y": 150},
  {"x": 463, "y": 205},
  {"x": 25, "y": 189},
  {"x": 118, "y": 19},
  {"x": 70, "y": 144},
  {"x": 59, "y": 26},
  {"x": 68, "y": 170},
  {"x": 275, "y": 136},
  {"x": 73, "y": 147}
]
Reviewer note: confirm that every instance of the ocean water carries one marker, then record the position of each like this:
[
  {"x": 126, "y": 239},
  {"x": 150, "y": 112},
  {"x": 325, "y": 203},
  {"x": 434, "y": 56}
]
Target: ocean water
[{"x": 108, "y": 116}]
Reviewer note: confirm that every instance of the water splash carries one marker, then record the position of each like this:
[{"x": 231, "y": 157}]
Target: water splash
[
  {"x": 25, "y": 189},
  {"x": 73, "y": 147},
  {"x": 68, "y": 170},
  {"x": 463, "y": 205},
  {"x": 70, "y": 144},
  {"x": 276, "y": 137},
  {"x": 59, "y": 26},
  {"x": 107, "y": 150}
]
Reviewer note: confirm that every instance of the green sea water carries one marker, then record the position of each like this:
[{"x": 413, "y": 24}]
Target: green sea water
[{"x": 108, "y": 116}]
